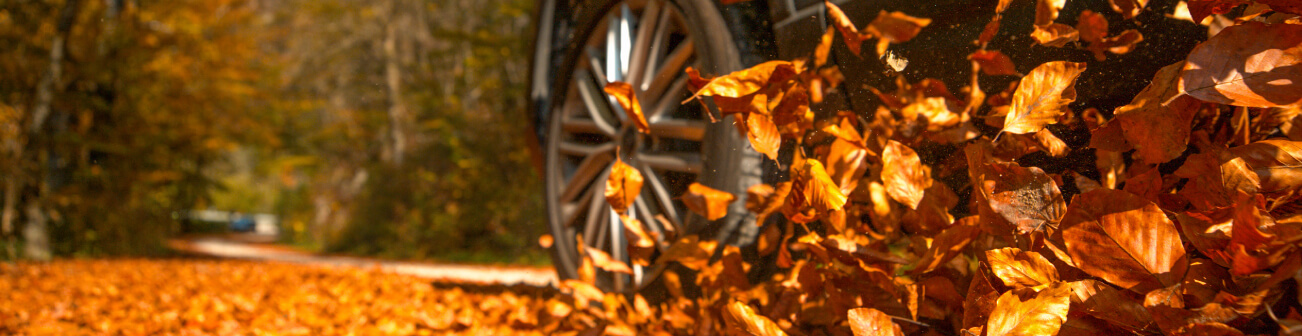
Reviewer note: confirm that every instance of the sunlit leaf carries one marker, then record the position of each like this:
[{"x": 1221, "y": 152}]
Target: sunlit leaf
[
  {"x": 895, "y": 27},
  {"x": 709, "y": 202},
  {"x": 1018, "y": 269},
  {"x": 623, "y": 186},
  {"x": 1249, "y": 64},
  {"x": 1025, "y": 312},
  {"x": 811, "y": 186},
  {"x": 1042, "y": 97},
  {"x": 602, "y": 260},
  {"x": 903, "y": 174},
  {"x": 872, "y": 322},
  {"x": 1026, "y": 197},
  {"x": 742, "y": 317},
  {"x": 1124, "y": 239},
  {"x": 623, "y": 93},
  {"x": 1157, "y": 126}
]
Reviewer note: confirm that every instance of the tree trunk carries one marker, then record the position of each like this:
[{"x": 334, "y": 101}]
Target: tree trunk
[{"x": 398, "y": 114}]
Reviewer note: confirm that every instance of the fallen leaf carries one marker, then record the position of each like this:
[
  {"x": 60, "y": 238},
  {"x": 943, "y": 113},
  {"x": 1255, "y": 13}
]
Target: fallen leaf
[
  {"x": 1042, "y": 96},
  {"x": 1157, "y": 121},
  {"x": 1026, "y": 197},
  {"x": 1025, "y": 312},
  {"x": 903, "y": 174},
  {"x": 1277, "y": 164},
  {"x": 1105, "y": 302},
  {"x": 623, "y": 186},
  {"x": 948, "y": 244},
  {"x": 1124, "y": 239},
  {"x": 1200, "y": 9},
  {"x": 1250, "y": 64},
  {"x": 709, "y": 202},
  {"x": 741, "y": 317},
  {"x": 623, "y": 93},
  {"x": 1021, "y": 269},
  {"x": 872, "y": 322}
]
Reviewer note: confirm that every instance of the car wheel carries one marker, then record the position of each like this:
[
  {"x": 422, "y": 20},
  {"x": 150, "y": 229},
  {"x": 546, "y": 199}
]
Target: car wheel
[{"x": 648, "y": 44}]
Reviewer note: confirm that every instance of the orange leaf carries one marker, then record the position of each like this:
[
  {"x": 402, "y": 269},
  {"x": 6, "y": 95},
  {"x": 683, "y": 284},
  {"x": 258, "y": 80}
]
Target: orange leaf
[
  {"x": 948, "y": 244},
  {"x": 1250, "y": 64},
  {"x": 1020, "y": 269},
  {"x": 813, "y": 188},
  {"x": 1093, "y": 27},
  {"x": 1277, "y": 163},
  {"x": 763, "y": 199},
  {"x": 1055, "y": 35},
  {"x": 1156, "y": 122},
  {"x": 763, "y": 134},
  {"x": 623, "y": 186},
  {"x": 903, "y": 174},
  {"x": 1026, "y": 197},
  {"x": 603, "y": 260},
  {"x": 1042, "y": 96},
  {"x": 623, "y": 92},
  {"x": 872, "y": 322},
  {"x": 993, "y": 62},
  {"x": 690, "y": 251},
  {"x": 741, "y": 317},
  {"x": 853, "y": 39},
  {"x": 1109, "y": 304},
  {"x": 846, "y": 164},
  {"x": 1124, "y": 239},
  {"x": 1047, "y": 10},
  {"x": 1025, "y": 312},
  {"x": 748, "y": 81},
  {"x": 706, "y": 201},
  {"x": 895, "y": 27},
  {"x": 1128, "y": 8},
  {"x": 1200, "y": 9}
]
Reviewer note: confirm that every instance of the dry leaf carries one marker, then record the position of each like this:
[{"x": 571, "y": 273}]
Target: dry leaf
[
  {"x": 1042, "y": 97},
  {"x": 1019, "y": 269},
  {"x": 603, "y": 261},
  {"x": 1250, "y": 64},
  {"x": 895, "y": 27},
  {"x": 623, "y": 93},
  {"x": 993, "y": 62},
  {"x": 1124, "y": 239},
  {"x": 1156, "y": 122},
  {"x": 1025, "y": 312},
  {"x": 1026, "y": 197},
  {"x": 623, "y": 186},
  {"x": 872, "y": 322},
  {"x": 709, "y": 202},
  {"x": 811, "y": 187},
  {"x": 741, "y": 317},
  {"x": 903, "y": 174}
]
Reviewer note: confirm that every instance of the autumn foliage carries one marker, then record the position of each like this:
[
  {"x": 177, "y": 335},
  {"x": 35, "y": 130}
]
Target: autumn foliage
[{"x": 922, "y": 215}]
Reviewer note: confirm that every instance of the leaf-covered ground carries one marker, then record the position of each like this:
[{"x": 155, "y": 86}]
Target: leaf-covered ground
[{"x": 192, "y": 297}]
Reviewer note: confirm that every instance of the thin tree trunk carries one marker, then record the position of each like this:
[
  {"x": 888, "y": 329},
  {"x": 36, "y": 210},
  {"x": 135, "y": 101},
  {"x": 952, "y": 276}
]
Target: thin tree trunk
[
  {"x": 35, "y": 232},
  {"x": 393, "y": 77}
]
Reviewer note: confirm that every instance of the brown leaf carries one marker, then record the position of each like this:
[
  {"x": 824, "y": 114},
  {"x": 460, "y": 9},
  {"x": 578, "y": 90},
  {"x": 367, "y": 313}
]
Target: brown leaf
[
  {"x": 1051, "y": 144},
  {"x": 689, "y": 251},
  {"x": 1121, "y": 44},
  {"x": 603, "y": 261},
  {"x": 1157, "y": 122},
  {"x": 895, "y": 27},
  {"x": 948, "y": 244},
  {"x": 763, "y": 200},
  {"x": 1124, "y": 239},
  {"x": 1277, "y": 163},
  {"x": 1042, "y": 97},
  {"x": 1200, "y": 9},
  {"x": 623, "y": 186},
  {"x": 1250, "y": 64},
  {"x": 1105, "y": 302},
  {"x": 992, "y": 28},
  {"x": 853, "y": 38},
  {"x": 1128, "y": 8},
  {"x": 1055, "y": 35},
  {"x": 1019, "y": 269},
  {"x": 623, "y": 93},
  {"x": 709, "y": 202},
  {"x": 741, "y": 317},
  {"x": 993, "y": 62},
  {"x": 846, "y": 164},
  {"x": 1026, "y": 197},
  {"x": 872, "y": 322},
  {"x": 1025, "y": 312},
  {"x": 1047, "y": 10},
  {"x": 745, "y": 82},
  {"x": 903, "y": 174},
  {"x": 1093, "y": 27},
  {"x": 811, "y": 187},
  {"x": 1215, "y": 178},
  {"x": 763, "y": 134}
]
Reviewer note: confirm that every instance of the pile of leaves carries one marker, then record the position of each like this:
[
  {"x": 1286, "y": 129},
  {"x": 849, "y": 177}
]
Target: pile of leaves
[
  {"x": 919, "y": 218},
  {"x": 196, "y": 297}
]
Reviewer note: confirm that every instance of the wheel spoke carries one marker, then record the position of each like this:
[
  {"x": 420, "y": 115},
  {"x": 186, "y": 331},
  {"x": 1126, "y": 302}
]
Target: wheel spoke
[
  {"x": 674, "y": 65},
  {"x": 575, "y": 125},
  {"x": 570, "y": 210},
  {"x": 570, "y": 148},
  {"x": 679, "y": 129},
  {"x": 589, "y": 168},
  {"x": 669, "y": 101},
  {"x": 677, "y": 161},
  {"x": 662, "y": 195},
  {"x": 642, "y": 43},
  {"x": 658, "y": 45},
  {"x": 596, "y": 207},
  {"x": 597, "y": 102}
]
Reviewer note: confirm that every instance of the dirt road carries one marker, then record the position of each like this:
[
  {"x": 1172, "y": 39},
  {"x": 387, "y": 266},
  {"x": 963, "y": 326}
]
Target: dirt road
[{"x": 243, "y": 249}]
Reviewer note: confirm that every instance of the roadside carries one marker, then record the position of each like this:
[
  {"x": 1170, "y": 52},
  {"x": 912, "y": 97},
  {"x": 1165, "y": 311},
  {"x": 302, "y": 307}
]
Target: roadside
[{"x": 250, "y": 247}]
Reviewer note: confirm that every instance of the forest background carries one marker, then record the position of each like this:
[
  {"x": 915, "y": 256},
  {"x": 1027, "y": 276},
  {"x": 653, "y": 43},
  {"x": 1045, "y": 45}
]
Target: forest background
[{"x": 388, "y": 128}]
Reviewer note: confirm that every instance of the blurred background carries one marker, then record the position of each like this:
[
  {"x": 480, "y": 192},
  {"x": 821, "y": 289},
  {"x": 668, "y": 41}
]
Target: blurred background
[{"x": 390, "y": 128}]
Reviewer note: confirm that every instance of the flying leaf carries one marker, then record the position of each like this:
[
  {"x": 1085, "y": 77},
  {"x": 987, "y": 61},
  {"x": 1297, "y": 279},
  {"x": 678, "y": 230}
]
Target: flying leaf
[
  {"x": 623, "y": 186},
  {"x": 853, "y": 38},
  {"x": 1024, "y": 196},
  {"x": 689, "y": 251},
  {"x": 1042, "y": 96},
  {"x": 1128, "y": 8},
  {"x": 1250, "y": 64},
  {"x": 745, "y": 82},
  {"x": 1124, "y": 239},
  {"x": 895, "y": 27},
  {"x": 1200, "y": 9},
  {"x": 811, "y": 187},
  {"x": 948, "y": 244},
  {"x": 1025, "y": 312},
  {"x": 846, "y": 164},
  {"x": 603, "y": 261},
  {"x": 1019, "y": 269},
  {"x": 623, "y": 93},
  {"x": 993, "y": 62},
  {"x": 709, "y": 202},
  {"x": 1047, "y": 10},
  {"x": 1055, "y": 35},
  {"x": 872, "y": 322},
  {"x": 1157, "y": 122},
  {"x": 903, "y": 174},
  {"x": 1093, "y": 27},
  {"x": 763, "y": 199},
  {"x": 763, "y": 134},
  {"x": 741, "y": 317}
]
